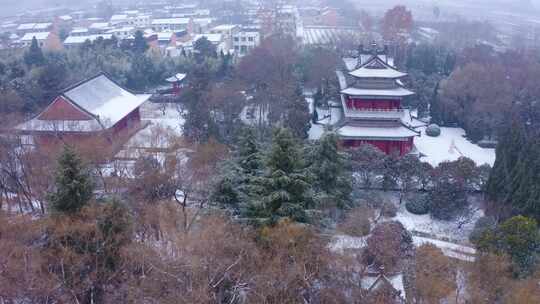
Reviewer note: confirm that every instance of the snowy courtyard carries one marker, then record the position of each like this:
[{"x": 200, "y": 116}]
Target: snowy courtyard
[{"x": 449, "y": 146}]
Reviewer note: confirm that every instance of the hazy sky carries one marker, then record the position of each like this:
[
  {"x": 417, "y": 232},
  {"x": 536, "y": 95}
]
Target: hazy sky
[{"x": 17, "y": 6}]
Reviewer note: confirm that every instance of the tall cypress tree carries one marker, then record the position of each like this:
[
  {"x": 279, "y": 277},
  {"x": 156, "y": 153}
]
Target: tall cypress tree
[
  {"x": 297, "y": 117},
  {"x": 139, "y": 43},
  {"x": 524, "y": 190},
  {"x": 508, "y": 153},
  {"x": 331, "y": 175},
  {"x": 34, "y": 55},
  {"x": 73, "y": 185},
  {"x": 285, "y": 184},
  {"x": 237, "y": 185},
  {"x": 435, "y": 109}
]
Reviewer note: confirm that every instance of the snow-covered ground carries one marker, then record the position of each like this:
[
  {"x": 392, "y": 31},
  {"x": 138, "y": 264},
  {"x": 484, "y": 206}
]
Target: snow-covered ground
[
  {"x": 452, "y": 250},
  {"x": 451, "y": 145},
  {"x": 340, "y": 243},
  {"x": 162, "y": 128},
  {"x": 425, "y": 224},
  {"x": 166, "y": 115},
  {"x": 449, "y": 236}
]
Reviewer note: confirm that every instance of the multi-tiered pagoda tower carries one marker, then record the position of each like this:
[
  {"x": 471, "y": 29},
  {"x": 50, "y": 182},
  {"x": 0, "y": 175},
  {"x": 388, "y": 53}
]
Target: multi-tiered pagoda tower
[{"x": 371, "y": 97}]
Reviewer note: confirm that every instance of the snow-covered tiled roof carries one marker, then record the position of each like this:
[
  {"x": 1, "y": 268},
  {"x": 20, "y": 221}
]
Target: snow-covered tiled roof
[
  {"x": 33, "y": 26},
  {"x": 38, "y": 35},
  {"x": 377, "y": 67},
  {"x": 176, "y": 78},
  {"x": 26, "y": 26},
  {"x": 103, "y": 98},
  {"x": 79, "y": 30},
  {"x": 224, "y": 27},
  {"x": 203, "y": 21},
  {"x": 372, "y": 283},
  {"x": 99, "y": 25},
  {"x": 170, "y": 21},
  {"x": 324, "y": 35},
  {"x": 351, "y": 63},
  {"x": 377, "y": 73},
  {"x": 65, "y": 18},
  {"x": 395, "y": 92},
  {"x": 81, "y": 39},
  {"x": 121, "y": 29},
  {"x": 365, "y": 132},
  {"x": 118, "y": 17}
]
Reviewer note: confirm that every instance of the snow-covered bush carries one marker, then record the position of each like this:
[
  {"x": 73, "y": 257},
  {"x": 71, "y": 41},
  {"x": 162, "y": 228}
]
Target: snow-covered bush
[
  {"x": 433, "y": 130},
  {"x": 418, "y": 205},
  {"x": 357, "y": 222},
  {"x": 483, "y": 224},
  {"x": 388, "y": 243},
  {"x": 388, "y": 209}
]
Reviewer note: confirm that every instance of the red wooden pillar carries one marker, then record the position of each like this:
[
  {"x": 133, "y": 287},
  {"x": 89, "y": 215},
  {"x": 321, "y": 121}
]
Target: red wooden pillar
[{"x": 176, "y": 88}]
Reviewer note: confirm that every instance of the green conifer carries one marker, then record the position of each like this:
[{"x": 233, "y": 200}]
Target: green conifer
[
  {"x": 331, "y": 174},
  {"x": 285, "y": 184},
  {"x": 73, "y": 184},
  {"x": 34, "y": 55}
]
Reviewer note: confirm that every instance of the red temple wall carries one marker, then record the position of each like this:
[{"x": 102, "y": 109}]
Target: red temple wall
[
  {"x": 386, "y": 146},
  {"x": 61, "y": 109},
  {"x": 379, "y": 104},
  {"x": 132, "y": 119}
]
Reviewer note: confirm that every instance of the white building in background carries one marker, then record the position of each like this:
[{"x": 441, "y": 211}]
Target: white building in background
[
  {"x": 73, "y": 41},
  {"x": 171, "y": 24},
  {"x": 141, "y": 21},
  {"x": 79, "y": 31},
  {"x": 201, "y": 25},
  {"x": 227, "y": 32},
  {"x": 123, "y": 32},
  {"x": 41, "y": 37},
  {"x": 246, "y": 40},
  {"x": 33, "y": 28},
  {"x": 215, "y": 39},
  {"x": 99, "y": 27},
  {"x": 119, "y": 20}
]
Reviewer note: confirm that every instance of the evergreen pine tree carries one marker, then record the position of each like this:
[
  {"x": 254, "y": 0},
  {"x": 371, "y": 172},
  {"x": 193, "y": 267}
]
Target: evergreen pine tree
[
  {"x": 297, "y": 117},
  {"x": 225, "y": 192},
  {"x": 285, "y": 184},
  {"x": 139, "y": 43},
  {"x": 114, "y": 224},
  {"x": 238, "y": 184},
  {"x": 502, "y": 177},
  {"x": 73, "y": 184},
  {"x": 251, "y": 166},
  {"x": 248, "y": 151},
  {"x": 524, "y": 189},
  {"x": 332, "y": 178},
  {"x": 435, "y": 107},
  {"x": 34, "y": 55}
]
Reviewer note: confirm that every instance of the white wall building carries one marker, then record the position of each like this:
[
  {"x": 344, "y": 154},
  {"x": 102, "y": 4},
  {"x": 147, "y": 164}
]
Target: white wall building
[
  {"x": 73, "y": 41},
  {"x": 171, "y": 24},
  {"x": 246, "y": 40},
  {"x": 123, "y": 32},
  {"x": 41, "y": 37},
  {"x": 140, "y": 21},
  {"x": 227, "y": 31}
]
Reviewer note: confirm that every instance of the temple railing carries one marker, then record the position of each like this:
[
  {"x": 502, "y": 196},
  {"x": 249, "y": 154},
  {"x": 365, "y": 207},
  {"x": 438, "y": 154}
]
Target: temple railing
[{"x": 374, "y": 113}]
